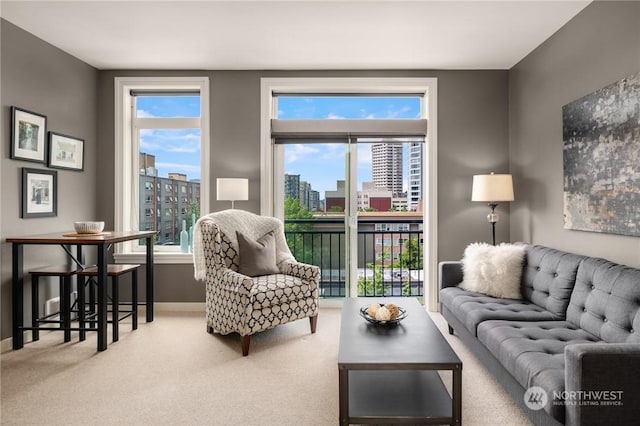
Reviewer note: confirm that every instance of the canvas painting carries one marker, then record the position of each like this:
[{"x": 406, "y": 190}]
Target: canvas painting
[{"x": 601, "y": 147}]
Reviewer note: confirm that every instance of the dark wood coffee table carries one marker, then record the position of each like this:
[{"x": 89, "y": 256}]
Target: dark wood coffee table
[{"x": 388, "y": 374}]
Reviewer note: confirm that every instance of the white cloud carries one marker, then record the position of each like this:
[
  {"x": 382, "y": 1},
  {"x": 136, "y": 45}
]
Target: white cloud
[
  {"x": 295, "y": 152},
  {"x": 179, "y": 167},
  {"x": 144, "y": 114},
  {"x": 332, "y": 116},
  {"x": 364, "y": 154}
]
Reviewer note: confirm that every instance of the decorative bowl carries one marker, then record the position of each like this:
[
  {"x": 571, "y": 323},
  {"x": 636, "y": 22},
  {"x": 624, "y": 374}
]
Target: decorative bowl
[
  {"x": 88, "y": 227},
  {"x": 402, "y": 314}
]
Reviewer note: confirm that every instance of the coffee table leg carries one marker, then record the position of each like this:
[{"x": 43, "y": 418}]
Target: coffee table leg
[
  {"x": 343, "y": 387},
  {"x": 457, "y": 395}
]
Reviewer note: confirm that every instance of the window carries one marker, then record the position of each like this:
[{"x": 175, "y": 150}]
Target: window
[
  {"x": 162, "y": 135},
  {"x": 278, "y": 130}
]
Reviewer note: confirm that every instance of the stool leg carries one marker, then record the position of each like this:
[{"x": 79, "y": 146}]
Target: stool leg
[
  {"x": 35, "y": 308},
  {"x": 92, "y": 301},
  {"x": 65, "y": 307},
  {"x": 82, "y": 334},
  {"x": 114, "y": 308},
  {"x": 134, "y": 299}
]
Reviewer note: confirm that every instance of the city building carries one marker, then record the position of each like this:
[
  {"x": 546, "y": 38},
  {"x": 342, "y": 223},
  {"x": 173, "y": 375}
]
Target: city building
[
  {"x": 166, "y": 201},
  {"x": 414, "y": 192},
  {"x": 387, "y": 167},
  {"x": 291, "y": 186}
]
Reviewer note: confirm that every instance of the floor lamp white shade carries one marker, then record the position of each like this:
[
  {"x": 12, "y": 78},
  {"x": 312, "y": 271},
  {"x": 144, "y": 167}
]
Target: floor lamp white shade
[
  {"x": 491, "y": 189},
  {"x": 232, "y": 189}
]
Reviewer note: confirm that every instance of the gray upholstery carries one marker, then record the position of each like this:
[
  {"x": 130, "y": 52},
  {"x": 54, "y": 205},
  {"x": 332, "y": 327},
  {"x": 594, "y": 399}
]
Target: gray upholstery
[
  {"x": 589, "y": 367},
  {"x": 533, "y": 352},
  {"x": 606, "y": 301},
  {"x": 548, "y": 278},
  {"x": 474, "y": 308},
  {"x": 576, "y": 329}
]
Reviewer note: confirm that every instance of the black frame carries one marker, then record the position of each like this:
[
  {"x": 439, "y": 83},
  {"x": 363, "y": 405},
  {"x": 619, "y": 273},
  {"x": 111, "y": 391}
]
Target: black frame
[
  {"x": 79, "y": 145},
  {"x": 15, "y": 143},
  {"x": 24, "y": 211}
]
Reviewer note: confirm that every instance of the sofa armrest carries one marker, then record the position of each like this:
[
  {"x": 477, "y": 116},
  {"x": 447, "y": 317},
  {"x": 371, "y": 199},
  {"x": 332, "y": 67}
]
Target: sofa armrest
[
  {"x": 605, "y": 381},
  {"x": 449, "y": 274},
  {"x": 304, "y": 271}
]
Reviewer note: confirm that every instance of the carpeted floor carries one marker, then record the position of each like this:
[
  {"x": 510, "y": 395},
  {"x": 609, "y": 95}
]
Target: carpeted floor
[{"x": 171, "y": 372}]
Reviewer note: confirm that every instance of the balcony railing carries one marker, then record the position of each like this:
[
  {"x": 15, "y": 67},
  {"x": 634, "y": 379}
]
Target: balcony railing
[{"x": 389, "y": 261}]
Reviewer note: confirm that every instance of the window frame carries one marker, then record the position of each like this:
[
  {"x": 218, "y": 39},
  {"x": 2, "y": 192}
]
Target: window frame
[
  {"x": 126, "y": 170},
  {"x": 270, "y": 188}
]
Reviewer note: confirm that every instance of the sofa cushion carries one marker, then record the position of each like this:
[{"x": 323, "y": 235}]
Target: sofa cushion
[
  {"x": 270, "y": 290},
  {"x": 533, "y": 353},
  {"x": 473, "y": 308},
  {"x": 606, "y": 301},
  {"x": 493, "y": 270},
  {"x": 548, "y": 278}
]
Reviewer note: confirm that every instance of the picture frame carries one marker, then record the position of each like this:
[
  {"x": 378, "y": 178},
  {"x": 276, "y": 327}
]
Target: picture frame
[
  {"x": 39, "y": 193},
  {"x": 65, "y": 152},
  {"x": 28, "y": 135}
]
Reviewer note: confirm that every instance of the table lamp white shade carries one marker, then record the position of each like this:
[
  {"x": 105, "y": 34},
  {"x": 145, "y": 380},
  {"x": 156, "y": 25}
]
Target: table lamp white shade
[
  {"x": 232, "y": 189},
  {"x": 492, "y": 187}
]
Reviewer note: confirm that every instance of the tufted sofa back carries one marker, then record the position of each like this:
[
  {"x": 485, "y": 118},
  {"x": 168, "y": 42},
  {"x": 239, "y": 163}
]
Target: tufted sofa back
[
  {"x": 606, "y": 301},
  {"x": 548, "y": 278}
]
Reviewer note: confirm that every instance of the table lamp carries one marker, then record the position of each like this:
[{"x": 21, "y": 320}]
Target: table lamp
[
  {"x": 232, "y": 189},
  {"x": 491, "y": 189}
]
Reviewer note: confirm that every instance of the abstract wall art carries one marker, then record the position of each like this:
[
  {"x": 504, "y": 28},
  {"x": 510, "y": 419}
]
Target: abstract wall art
[{"x": 601, "y": 156}]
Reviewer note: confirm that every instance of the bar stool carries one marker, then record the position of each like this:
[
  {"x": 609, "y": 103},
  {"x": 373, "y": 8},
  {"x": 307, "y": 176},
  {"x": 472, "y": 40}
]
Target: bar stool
[
  {"x": 115, "y": 271},
  {"x": 64, "y": 273}
]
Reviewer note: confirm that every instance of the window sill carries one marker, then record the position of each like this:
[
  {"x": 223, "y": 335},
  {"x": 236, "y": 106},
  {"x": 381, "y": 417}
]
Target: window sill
[{"x": 159, "y": 257}]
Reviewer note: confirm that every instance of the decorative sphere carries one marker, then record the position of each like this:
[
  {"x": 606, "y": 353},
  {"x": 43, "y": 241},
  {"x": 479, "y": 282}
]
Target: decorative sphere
[
  {"x": 393, "y": 310},
  {"x": 373, "y": 308},
  {"x": 383, "y": 314}
]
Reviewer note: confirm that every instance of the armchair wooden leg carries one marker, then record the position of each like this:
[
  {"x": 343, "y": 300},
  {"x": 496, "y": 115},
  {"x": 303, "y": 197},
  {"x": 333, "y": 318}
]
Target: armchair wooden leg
[
  {"x": 245, "y": 345},
  {"x": 209, "y": 329},
  {"x": 313, "y": 321}
]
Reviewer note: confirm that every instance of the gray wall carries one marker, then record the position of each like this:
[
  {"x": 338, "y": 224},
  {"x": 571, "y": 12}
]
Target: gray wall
[
  {"x": 599, "y": 46},
  {"x": 472, "y": 125},
  {"x": 41, "y": 78},
  {"x": 472, "y": 138}
]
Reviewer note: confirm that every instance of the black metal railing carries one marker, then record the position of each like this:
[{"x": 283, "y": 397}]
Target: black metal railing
[{"x": 389, "y": 260}]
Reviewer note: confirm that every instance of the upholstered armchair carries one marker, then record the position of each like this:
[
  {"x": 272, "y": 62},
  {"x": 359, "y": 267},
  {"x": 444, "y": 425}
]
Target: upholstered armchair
[{"x": 237, "y": 302}]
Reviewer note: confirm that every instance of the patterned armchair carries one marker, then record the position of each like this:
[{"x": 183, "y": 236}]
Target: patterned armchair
[{"x": 243, "y": 304}]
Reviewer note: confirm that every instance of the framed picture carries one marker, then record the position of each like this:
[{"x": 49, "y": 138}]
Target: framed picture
[
  {"x": 66, "y": 152},
  {"x": 28, "y": 135},
  {"x": 39, "y": 193}
]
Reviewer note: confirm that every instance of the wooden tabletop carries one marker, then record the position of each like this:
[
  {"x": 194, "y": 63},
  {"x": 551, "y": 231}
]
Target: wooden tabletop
[{"x": 64, "y": 237}]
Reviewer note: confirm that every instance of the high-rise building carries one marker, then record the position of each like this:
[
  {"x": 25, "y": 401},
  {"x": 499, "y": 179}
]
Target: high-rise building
[
  {"x": 414, "y": 192},
  {"x": 291, "y": 186},
  {"x": 387, "y": 167}
]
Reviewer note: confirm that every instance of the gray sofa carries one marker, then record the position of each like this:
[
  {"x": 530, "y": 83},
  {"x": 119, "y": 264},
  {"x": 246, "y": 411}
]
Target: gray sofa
[{"x": 575, "y": 334}]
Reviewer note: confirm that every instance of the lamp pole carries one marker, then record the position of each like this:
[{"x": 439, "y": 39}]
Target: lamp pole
[{"x": 493, "y": 218}]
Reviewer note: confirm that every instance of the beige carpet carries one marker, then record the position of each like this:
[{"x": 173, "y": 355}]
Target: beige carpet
[{"x": 171, "y": 372}]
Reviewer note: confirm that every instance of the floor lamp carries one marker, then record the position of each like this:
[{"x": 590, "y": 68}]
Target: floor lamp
[
  {"x": 491, "y": 189},
  {"x": 232, "y": 189}
]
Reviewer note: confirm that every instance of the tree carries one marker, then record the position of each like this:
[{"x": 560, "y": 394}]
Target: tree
[
  {"x": 336, "y": 209},
  {"x": 293, "y": 210},
  {"x": 411, "y": 257},
  {"x": 372, "y": 286}
]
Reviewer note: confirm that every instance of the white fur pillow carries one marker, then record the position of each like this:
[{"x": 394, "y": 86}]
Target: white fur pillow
[{"x": 493, "y": 270}]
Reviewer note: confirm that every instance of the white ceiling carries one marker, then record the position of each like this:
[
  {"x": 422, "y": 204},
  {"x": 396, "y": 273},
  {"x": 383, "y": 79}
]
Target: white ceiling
[{"x": 326, "y": 34}]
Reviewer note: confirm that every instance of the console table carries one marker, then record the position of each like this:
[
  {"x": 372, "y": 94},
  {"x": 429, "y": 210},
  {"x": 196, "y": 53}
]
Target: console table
[{"x": 101, "y": 242}]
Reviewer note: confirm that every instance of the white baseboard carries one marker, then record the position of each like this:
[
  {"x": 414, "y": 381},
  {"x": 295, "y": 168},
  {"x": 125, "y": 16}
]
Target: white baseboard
[{"x": 177, "y": 307}]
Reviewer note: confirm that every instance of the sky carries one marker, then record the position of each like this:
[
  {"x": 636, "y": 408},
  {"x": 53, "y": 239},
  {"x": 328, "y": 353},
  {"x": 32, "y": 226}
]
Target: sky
[
  {"x": 178, "y": 151},
  {"x": 323, "y": 164}
]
